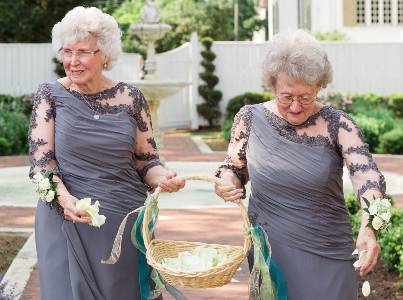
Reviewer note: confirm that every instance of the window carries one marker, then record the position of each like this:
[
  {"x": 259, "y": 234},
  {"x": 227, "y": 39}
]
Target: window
[
  {"x": 400, "y": 11},
  {"x": 388, "y": 12},
  {"x": 361, "y": 11},
  {"x": 374, "y": 11}
]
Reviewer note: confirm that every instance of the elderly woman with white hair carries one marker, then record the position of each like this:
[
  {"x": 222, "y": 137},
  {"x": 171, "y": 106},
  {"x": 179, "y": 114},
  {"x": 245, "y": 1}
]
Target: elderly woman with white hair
[
  {"x": 95, "y": 135},
  {"x": 292, "y": 150}
]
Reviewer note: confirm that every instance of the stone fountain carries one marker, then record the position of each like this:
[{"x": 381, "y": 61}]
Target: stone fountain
[{"x": 154, "y": 89}]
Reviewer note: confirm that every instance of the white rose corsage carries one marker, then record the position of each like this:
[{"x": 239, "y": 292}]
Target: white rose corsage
[
  {"x": 378, "y": 212},
  {"x": 45, "y": 186}
]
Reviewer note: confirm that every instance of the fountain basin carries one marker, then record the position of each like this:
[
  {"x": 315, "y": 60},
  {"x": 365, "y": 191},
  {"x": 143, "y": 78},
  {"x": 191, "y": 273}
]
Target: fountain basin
[
  {"x": 151, "y": 32},
  {"x": 159, "y": 89}
]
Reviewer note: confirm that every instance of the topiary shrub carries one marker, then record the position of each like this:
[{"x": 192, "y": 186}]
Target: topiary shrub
[
  {"x": 236, "y": 103},
  {"x": 391, "y": 142},
  {"x": 209, "y": 110}
]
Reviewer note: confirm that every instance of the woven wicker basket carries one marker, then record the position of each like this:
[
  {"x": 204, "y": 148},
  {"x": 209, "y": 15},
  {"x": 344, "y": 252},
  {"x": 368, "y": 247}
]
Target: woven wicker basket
[{"x": 158, "y": 249}]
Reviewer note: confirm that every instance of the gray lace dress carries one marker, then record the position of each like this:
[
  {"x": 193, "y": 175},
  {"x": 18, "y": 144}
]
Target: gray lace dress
[
  {"x": 297, "y": 193},
  {"x": 101, "y": 145}
]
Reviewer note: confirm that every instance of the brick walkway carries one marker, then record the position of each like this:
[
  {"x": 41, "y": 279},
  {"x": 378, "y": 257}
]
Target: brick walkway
[{"x": 181, "y": 224}]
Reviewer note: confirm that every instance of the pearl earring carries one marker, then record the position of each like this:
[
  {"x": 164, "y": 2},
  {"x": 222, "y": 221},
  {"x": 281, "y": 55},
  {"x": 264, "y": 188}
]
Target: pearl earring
[{"x": 105, "y": 65}]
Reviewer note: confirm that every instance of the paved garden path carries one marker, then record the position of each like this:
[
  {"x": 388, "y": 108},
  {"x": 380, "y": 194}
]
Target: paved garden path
[{"x": 202, "y": 214}]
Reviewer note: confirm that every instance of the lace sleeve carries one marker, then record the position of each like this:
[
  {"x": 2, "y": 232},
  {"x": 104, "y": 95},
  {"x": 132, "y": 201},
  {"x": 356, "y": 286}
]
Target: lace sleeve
[
  {"x": 41, "y": 133},
  {"x": 145, "y": 152},
  {"x": 236, "y": 155},
  {"x": 367, "y": 180}
]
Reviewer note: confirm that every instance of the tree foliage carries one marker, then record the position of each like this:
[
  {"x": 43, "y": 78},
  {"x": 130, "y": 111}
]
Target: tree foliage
[
  {"x": 213, "y": 18},
  {"x": 23, "y": 21}
]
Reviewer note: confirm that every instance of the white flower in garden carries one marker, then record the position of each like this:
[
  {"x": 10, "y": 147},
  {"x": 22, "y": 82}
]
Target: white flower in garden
[
  {"x": 366, "y": 289},
  {"x": 377, "y": 223},
  {"x": 44, "y": 184},
  {"x": 50, "y": 196},
  {"x": 84, "y": 204}
]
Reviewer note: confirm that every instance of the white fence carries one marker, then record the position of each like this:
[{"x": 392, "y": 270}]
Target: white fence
[{"x": 358, "y": 67}]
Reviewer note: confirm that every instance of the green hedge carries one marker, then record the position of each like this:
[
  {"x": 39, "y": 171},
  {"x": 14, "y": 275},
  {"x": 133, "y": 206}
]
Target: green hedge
[
  {"x": 236, "y": 103},
  {"x": 391, "y": 142},
  {"x": 14, "y": 121}
]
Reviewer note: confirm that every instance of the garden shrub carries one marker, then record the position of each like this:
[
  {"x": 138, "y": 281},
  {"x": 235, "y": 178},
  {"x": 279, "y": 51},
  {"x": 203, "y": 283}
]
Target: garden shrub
[
  {"x": 14, "y": 119},
  {"x": 226, "y": 129},
  {"x": 391, "y": 142},
  {"x": 236, "y": 103},
  {"x": 372, "y": 129},
  {"x": 391, "y": 243},
  {"x": 395, "y": 103},
  {"x": 20, "y": 104},
  {"x": 352, "y": 203},
  {"x": 13, "y": 133},
  {"x": 334, "y": 35},
  {"x": 355, "y": 221}
]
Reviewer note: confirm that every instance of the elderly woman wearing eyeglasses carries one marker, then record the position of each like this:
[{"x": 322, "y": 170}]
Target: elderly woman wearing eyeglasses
[
  {"x": 292, "y": 150},
  {"x": 95, "y": 135}
]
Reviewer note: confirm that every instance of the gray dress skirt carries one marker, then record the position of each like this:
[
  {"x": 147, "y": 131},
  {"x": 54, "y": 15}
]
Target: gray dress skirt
[
  {"x": 296, "y": 196},
  {"x": 93, "y": 149}
]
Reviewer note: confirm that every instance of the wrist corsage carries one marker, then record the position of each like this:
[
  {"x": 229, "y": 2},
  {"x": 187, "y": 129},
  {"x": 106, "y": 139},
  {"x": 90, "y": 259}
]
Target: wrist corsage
[
  {"x": 378, "y": 213},
  {"x": 45, "y": 186}
]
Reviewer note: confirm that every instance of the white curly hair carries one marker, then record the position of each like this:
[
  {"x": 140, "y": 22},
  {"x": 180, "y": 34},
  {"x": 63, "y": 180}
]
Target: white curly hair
[
  {"x": 299, "y": 55},
  {"x": 81, "y": 23}
]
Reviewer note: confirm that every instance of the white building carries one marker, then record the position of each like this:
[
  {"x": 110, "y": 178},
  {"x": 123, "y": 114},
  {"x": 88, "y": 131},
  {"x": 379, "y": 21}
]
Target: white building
[{"x": 361, "y": 20}]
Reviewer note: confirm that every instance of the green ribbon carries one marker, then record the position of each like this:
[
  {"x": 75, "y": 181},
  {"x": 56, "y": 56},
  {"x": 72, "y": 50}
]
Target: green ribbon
[
  {"x": 266, "y": 281},
  {"x": 145, "y": 272}
]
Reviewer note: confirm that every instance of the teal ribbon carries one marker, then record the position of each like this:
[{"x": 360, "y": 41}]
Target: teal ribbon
[
  {"x": 145, "y": 272},
  {"x": 266, "y": 281}
]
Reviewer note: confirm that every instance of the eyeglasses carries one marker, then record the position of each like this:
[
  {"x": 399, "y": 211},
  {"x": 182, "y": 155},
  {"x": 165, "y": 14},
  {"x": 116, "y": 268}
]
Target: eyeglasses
[
  {"x": 80, "y": 54},
  {"x": 303, "y": 100}
]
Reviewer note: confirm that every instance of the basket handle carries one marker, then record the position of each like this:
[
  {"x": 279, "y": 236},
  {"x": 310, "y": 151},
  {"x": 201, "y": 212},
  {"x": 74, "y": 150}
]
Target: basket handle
[{"x": 244, "y": 214}]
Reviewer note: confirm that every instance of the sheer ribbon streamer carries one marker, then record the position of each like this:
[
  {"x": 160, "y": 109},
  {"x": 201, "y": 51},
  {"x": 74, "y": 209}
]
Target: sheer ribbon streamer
[
  {"x": 148, "y": 289},
  {"x": 266, "y": 281}
]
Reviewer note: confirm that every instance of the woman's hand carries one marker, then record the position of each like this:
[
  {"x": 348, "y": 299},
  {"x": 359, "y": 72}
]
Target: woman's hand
[
  {"x": 170, "y": 183},
  {"x": 227, "y": 188},
  {"x": 366, "y": 241},
  {"x": 71, "y": 213}
]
